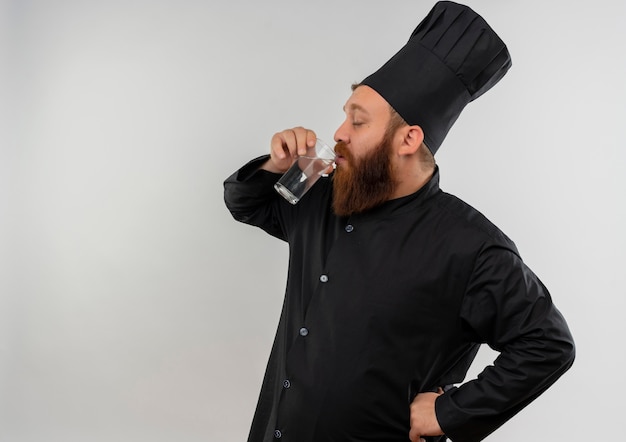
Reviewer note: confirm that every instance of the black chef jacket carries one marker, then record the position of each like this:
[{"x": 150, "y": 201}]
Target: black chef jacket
[{"x": 392, "y": 302}]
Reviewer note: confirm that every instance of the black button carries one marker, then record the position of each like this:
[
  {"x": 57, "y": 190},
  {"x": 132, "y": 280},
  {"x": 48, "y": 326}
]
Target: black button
[
  {"x": 304, "y": 331},
  {"x": 277, "y": 434},
  {"x": 286, "y": 383}
]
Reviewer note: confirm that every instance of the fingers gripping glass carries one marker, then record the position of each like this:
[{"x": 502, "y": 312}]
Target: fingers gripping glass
[{"x": 305, "y": 171}]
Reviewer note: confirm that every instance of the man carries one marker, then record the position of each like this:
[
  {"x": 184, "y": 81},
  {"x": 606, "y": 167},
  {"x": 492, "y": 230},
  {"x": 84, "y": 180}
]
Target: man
[{"x": 394, "y": 284}]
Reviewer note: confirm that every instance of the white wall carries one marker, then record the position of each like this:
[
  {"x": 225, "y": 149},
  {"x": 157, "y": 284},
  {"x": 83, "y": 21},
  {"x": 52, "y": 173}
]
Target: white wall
[{"x": 132, "y": 307}]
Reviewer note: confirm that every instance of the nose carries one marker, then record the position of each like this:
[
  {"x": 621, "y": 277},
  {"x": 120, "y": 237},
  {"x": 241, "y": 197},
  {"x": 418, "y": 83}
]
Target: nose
[{"x": 341, "y": 134}]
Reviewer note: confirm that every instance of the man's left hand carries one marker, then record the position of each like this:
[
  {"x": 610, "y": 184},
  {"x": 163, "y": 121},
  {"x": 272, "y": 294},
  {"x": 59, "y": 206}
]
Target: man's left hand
[{"x": 423, "y": 419}]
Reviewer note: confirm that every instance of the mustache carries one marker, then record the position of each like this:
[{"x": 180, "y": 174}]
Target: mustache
[{"x": 342, "y": 149}]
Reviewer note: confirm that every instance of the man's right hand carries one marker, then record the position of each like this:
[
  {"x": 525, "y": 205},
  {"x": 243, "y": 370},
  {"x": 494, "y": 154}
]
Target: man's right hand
[{"x": 286, "y": 146}]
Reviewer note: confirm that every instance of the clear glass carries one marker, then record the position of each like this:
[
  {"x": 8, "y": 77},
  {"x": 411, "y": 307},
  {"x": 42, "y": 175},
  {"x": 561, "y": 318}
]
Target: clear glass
[{"x": 305, "y": 172}]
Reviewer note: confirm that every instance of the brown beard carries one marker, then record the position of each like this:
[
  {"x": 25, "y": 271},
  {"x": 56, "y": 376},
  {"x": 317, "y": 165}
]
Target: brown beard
[{"x": 364, "y": 183}]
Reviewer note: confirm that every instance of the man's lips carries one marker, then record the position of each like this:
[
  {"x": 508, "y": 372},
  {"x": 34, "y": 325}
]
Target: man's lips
[{"x": 341, "y": 153}]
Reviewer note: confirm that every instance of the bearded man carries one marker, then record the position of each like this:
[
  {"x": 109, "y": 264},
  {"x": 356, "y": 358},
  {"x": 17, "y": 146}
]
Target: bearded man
[{"x": 394, "y": 284}]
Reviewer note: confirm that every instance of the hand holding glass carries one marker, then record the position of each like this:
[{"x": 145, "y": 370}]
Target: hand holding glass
[{"x": 306, "y": 170}]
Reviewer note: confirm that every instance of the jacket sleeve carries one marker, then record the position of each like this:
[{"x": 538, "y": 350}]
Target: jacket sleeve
[
  {"x": 250, "y": 197},
  {"x": 509, "y": 308}
]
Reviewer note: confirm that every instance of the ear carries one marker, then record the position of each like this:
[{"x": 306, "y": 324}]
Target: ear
[{"x": 413, "y": 137}]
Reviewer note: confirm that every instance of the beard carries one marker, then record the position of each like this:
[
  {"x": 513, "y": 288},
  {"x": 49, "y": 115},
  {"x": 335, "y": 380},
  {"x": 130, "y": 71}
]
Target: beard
[{"x": 362, "y": 184}]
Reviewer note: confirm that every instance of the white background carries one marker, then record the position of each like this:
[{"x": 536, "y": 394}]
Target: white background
[{"x": 133, "y": 308}]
